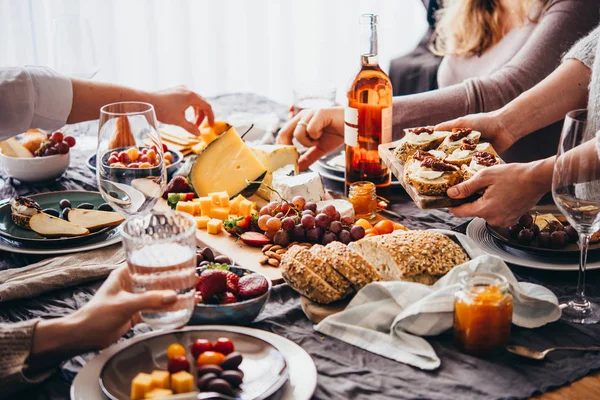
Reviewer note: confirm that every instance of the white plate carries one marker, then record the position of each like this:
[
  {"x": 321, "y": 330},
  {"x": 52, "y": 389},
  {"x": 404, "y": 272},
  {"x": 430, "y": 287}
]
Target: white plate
[
  {"x": 477, "y": 231},
  {"x": 302, "y": 370},
  {"x": 101, "y": 241}
]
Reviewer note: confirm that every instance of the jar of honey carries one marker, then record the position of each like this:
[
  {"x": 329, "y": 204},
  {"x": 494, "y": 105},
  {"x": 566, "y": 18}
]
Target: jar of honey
[
  {"x": 482, "y": 313},
  {"x": 363, "y": 197}
]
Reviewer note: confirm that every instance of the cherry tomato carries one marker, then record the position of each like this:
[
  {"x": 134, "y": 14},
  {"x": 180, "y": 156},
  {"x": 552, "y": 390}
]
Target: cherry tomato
[
  {"x": 224, "y": 346},
  {"x": 200, "y": 346},
  {"x": 372, "y": 232},
  {"x": 364, "y": 223},
  {"x": 210, "y": 357},
  {"x": 398, "y": 226},
  {"x": 385, "y": 226},
  {"x": 175, "y": 350},
  {"x": 178, "y": 364},
  {"x": 165, "y": 148}
]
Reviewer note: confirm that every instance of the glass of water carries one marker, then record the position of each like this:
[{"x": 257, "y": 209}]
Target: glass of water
[{"x": 161, "y": 255}]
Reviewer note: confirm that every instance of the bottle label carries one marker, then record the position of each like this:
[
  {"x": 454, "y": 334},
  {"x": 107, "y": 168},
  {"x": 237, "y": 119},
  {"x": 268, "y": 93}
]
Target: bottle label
[
  {"x": 386, "y": 125},
  {"x": 351, "y": 132},
  {"x": 350, "y": 135}
]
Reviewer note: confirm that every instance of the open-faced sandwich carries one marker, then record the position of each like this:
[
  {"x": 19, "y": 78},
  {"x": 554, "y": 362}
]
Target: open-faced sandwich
[
  {"x": 424, "y": 138},
  {"x": 464, "y": 154},
  {"x": 22, "y": 209},
  {"x": 458, "y": 137},
  {"x": 479, "y": 161},
  {"x": 430, "y": 175}
]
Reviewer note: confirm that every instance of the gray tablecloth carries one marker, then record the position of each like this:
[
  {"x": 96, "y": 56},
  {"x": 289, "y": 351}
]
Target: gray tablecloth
[{"x": 346, "y": 372}]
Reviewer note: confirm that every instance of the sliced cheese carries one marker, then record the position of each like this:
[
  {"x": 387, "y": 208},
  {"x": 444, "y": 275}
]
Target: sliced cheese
[
  {"x": 246, "y": 207},
  {"x": 202, "y": 221},
  {"x": 221, "y": 213},
  {"x": 214, "y": 226},
  {"x": 289, "y": 185},
  {"x": 273, "y": 157},
  {"x": 227, "y": 164}
]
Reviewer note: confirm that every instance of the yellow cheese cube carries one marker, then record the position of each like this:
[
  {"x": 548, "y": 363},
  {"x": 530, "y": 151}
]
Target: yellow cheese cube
[
  {"x": 158, "y": 393},
  {"x": 214, "y": 226},
  {"x": 214, "y": 198},
  {"x": 221, "y": 213},
  {"x": 182, "y": 381},
  {"x": 187, "y": 207},
  {"x": 160, "y": 379},
  {"x": 201, "y": 222},
  {"x": 141, "y": 384},
  {"x": 246, "y": 207},
  {"x": 234, "y": 205},
  {"x": 224, "y": 199}
]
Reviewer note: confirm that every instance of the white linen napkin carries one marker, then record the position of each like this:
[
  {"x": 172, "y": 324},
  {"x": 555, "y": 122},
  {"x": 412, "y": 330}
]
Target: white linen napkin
[{"x": 389, "y": 318}]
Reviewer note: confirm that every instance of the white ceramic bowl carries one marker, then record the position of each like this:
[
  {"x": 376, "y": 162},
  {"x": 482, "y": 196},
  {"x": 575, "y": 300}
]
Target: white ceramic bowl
[{"x": 35, "y": 169}]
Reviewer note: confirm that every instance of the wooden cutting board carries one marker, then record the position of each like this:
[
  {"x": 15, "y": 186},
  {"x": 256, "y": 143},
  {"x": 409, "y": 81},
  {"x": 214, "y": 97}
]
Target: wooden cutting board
[
  {"x": 242, "y": 254},
  {"x": 317, "y": 312},
  {"x": 386, "y": 152}
]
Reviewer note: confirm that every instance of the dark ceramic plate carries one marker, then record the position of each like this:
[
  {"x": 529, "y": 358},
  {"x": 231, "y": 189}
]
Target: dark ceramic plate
[
  {"x": 241, "y": 313},
  {"x": 502, "y": 236},
  {"x": 10, "y": 230},
  {"x": 264, "y": 366},
  {"x": 328, "y": 167},
  {"x": 171, "y": 169}
]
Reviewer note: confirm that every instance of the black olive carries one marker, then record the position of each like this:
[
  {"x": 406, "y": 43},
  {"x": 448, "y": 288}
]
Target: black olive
[
  {"x": 208, "y": 254},
  {"x": 234, "y": 378},
  {"x": 64, "y": 203},
  {"x": 65, "y": 213},
  {"x": 223, "y": 260},
  {"x": 51, "y": 211},
  {"x": 205, "y": 379},
  {"x": 232, "y": 361},
  {"x": 86, "y": 206},
  {"x": 209, "y": 369},
  {"x": 220, "y": 386}
]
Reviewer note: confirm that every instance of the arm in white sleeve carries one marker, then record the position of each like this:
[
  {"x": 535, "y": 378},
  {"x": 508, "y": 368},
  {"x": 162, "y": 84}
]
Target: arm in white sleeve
[{"x": 33, "y": 97}]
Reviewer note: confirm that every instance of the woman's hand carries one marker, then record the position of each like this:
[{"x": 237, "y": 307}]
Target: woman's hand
[
  {"x": 509, "y": 191},
  {"x": 322, "y": 131},
  {"x": 492, "y": 126},
  {"x": 112, "y": 311},
  {"x": 171, "y": 104}
]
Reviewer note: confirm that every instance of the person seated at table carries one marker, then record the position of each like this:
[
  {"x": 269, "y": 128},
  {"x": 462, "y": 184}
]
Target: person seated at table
[
  {"x": 39, "y": 97},
  {"x": 491, "y": 55},
  {"x": 30, "y": 349},
  {"x": 574, "y": 85}
]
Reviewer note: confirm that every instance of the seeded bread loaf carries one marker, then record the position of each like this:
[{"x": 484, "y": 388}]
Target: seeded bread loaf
[
  {"x": 356, "y": 279},
  {"x": 321, "y": 268},
  {"x": 354, "y": 261},
  {"x": 418, "y": 256},
  {"x": 303, "y": 280}
]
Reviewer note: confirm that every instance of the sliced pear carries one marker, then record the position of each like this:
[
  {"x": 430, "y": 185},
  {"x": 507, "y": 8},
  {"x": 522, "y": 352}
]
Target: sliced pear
[
  {"x": 94, "y": 219},
  {"x": 49, "y": 226},
  {"x": 12, "y": 148}
]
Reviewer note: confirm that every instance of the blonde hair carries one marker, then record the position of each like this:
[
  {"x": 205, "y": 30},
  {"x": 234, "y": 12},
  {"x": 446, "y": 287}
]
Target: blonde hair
[{"x": 470, "y": 27}]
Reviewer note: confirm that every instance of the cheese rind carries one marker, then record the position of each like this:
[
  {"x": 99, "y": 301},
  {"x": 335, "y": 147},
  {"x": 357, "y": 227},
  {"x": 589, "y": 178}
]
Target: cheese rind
[
  {"x": 274, "y": 157},
  {"x": 227, "y": 164},
  {"x": 289, "y": 185}
]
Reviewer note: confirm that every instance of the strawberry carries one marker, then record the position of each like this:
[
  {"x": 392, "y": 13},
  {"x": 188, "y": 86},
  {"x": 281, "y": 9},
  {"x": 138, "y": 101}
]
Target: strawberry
[
  {"x": 252, "y": 285},
  {"x": 255, "y": 239},
  {"x": 228, "y": 298},
  {"x": 211, "y": 282},
  {"x": 232, "y": 282},
  {"x": 244, "y": 223},
  {"x": 178, "y": 184}
]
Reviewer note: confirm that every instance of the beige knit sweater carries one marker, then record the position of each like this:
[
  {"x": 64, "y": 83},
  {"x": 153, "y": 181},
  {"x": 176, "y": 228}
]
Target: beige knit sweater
[
  {"x": 587, "y": 51},
  {"x": 15, "y": 345}
]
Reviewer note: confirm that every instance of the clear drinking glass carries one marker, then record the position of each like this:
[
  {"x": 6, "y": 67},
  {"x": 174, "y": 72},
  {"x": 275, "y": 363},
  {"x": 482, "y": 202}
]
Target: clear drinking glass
[
  {"x": 161, "y": 255},
  {"x": 576, "y": 192},
  {"x": 133, "y": 185},
  {"x": 311, "y": 96}
]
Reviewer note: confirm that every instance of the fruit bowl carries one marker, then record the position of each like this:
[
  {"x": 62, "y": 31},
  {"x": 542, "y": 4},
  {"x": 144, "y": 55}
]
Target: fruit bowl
[
  {"x": 36, "y": 169},
  {"x": 137, "y": 172},
  {"x": 239, "y": 313}
]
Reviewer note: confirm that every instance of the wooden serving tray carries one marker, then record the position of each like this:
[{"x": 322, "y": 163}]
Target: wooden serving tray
[{"x": 386, "y": 152}]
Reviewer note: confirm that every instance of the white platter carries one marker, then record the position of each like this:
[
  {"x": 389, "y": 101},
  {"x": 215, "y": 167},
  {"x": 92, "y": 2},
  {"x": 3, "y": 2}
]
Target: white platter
[
  {"x": 302, "y": 370},
  {"x": 477, "y": 231}
]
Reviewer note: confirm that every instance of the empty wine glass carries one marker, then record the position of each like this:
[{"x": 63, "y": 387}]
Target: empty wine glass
[
  {"x": 130, "y": 170},
  {"x": 576, "y": 191}
]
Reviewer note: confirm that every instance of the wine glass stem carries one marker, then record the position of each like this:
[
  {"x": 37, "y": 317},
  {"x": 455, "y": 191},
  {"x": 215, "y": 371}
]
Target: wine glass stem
[{"x": 584, "y": 241}]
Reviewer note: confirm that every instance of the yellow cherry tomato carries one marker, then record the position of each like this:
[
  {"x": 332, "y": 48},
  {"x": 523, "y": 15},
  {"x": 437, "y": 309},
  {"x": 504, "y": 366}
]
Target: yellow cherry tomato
[
  {"x": 372, "y": 232},
  {"x": 364, "y": 223},
  {"x": 210, "y": 357},
  {"x": 175, "y": 350}
]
